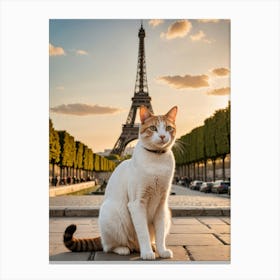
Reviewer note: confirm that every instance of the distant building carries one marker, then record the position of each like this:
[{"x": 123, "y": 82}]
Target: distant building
[
  {"x": 128, "y": 151},
  {"x": 105, "y": 153}
]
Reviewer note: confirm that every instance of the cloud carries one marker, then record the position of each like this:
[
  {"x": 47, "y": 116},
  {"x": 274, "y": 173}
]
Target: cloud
[
  {"x": 60, "y": 88},
  {"x": 219, "y": 91},
  {"x": 80, "y": 109},
  {"x": 212, "y": 20},
  {"x": 81, "y": 52},
  {"x": 200, "y": 36},
  {"x": 155, "y": 22},
  {"x": 220, "y": 71},
  {"x": 56, "y": 51},
  {"x": 187, "y": 81},
  {"x": 178, "y": 29}
]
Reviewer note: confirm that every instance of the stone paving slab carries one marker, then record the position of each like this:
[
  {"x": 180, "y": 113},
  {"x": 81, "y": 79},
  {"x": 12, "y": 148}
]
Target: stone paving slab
[
  {"x": 179, "y": 254},
  {"x": 70, "y": 257},
  {"x": 220, "y": 228},
  {"x": 212, "y": 221},
  {"x": 226, "y": 220},
  {"x": 74, "y": 220},
  {"x": 192, "y": 239},
  {"x": 210, "y": 253},
  {"x": 189, "y": 238},
  {"x": 177, "y": 211},
  {"x": 225, "y": 238},
  {"x": 62, "y": 190},
  {"x": 190, "y": 229},
  {"x": 186, "y": 221}
]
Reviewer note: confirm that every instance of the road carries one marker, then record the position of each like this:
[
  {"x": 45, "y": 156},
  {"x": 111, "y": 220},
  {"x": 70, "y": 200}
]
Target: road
[{"x": 180, "y": 190}]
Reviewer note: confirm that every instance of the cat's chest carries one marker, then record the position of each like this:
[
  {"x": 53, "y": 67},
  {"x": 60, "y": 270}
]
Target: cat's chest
[
  {"x": 153, "y": 187},
  {"x": 153, "y": 193},
  {"x": 155, "y": 167}
]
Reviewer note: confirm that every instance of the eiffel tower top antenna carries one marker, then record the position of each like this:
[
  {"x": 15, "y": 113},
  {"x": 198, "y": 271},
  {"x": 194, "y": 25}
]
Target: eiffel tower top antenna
[{"x": 141, "y": 85}]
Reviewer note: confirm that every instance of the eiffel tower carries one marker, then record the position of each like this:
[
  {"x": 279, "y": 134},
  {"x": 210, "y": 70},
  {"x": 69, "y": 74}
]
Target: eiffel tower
[{"x": 130, "y": 129}]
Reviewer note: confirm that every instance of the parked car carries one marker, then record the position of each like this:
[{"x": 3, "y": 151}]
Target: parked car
[
  {"x": 181, "y": 182},
  {"x": 195, "y": 185},
  {"x": 206, "y": 187},
  {"x": 220, "y": 186},
  {"x": 228, "y": 190}
]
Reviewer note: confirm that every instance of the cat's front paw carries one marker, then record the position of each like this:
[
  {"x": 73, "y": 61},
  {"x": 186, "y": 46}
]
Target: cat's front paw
[
  {"x": 148, "y": 255},
  {"x": 166, "y": 254}
]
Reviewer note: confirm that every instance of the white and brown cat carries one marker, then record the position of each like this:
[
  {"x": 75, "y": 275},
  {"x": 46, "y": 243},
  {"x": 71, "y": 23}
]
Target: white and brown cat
[{"x": 134, "y": 215}]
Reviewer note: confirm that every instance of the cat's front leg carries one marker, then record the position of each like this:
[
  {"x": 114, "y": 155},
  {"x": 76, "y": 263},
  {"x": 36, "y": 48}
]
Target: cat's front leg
[
  {"x": 139, "y": 219},
  {"x": 162, "y": 225}
]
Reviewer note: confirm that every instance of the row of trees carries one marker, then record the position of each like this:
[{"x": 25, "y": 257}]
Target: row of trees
[
  {"x": 73, "y": 157},
  {"x": 208, "y": 142}
]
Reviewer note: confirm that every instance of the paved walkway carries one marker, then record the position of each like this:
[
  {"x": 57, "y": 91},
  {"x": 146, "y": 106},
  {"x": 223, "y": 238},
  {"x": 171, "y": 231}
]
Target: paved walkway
[
  {"x": 186, "y": 202},
  {"x": 191, "y": 239},
  {"x": 202, "y": 233},
  {"x": 184, "y": 197}
]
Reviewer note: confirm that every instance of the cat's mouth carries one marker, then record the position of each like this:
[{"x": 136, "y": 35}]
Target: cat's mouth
[{"x": 162, "y": 143}]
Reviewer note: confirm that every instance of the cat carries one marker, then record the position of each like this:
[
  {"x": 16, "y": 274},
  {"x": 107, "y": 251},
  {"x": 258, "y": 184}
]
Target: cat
[{"x": 134, "y": 216}]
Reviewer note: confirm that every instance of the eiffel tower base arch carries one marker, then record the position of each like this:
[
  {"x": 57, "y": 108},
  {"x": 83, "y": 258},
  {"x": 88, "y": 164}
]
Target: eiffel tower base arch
[{"x": 129, "y": 133}]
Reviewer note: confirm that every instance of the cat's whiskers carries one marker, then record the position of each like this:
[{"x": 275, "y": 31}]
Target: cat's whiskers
[{"x": 179, "y": 147}]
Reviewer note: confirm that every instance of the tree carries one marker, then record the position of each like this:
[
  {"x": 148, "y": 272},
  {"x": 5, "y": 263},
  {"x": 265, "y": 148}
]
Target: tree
[
  {"x": 67, "y": 155},
  {"x": 227, "y": 117},
  {"x": 72, "y": 156},
  {"x": 54, "y": 146},
  {"x": 210, "y": 142},
  {"x": 90, "y": 160},
  {"x": 222, "y": 135},
  {"x": 181, "y": 151},
  {"x": 79, "y": 157},
  {"x": 85, "y": 158},
  {"x": 96, "y": 162},
  {"x": 200, "y": 150},
  {"x": 113, "y": 157}
]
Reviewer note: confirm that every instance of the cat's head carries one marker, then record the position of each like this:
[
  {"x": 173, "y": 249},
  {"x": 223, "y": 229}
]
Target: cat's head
[{"x": 157, "y": 132}]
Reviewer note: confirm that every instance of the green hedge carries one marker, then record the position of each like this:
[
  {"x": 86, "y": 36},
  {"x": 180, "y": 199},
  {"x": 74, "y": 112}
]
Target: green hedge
[
  {"x": 210, "y": 141},
  {"x": 66, "y": 152}
]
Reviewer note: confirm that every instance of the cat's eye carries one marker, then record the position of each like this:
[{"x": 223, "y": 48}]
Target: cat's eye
[
  {"x": 169, "y": 128},
  {"x": 153, "y": 128}
]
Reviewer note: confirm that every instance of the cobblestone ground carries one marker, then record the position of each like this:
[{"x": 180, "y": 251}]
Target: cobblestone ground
[
  {"x": 191, "y": 239},
  {"x": 184, "y": 197}
]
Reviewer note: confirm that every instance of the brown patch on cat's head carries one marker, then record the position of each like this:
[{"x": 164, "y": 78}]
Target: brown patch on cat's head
[
  {"x": 171, "y": 114},
  {"x": 144, "y": 114},
  {"x": 150, "y": 121}
]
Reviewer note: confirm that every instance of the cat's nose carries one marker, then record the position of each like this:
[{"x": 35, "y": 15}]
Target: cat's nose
[{"x": 162, "y": 137}]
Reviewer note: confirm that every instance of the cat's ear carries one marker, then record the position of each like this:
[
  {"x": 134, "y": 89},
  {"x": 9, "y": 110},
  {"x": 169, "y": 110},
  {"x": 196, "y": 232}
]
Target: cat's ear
[
  {"x": 144, "y": 113},
  {"x": 171, "y": 115}
]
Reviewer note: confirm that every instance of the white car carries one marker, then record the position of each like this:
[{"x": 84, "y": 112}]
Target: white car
[
  {"x": 206, "y": 187},
  {"x": 195, "y": 185}
]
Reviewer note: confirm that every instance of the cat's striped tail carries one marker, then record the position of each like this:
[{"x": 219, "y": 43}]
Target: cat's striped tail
[{"x": 80, "y": 244}]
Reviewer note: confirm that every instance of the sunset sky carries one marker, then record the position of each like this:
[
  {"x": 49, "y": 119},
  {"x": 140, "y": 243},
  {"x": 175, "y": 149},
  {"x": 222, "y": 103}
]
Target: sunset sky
[{"x": 92, "y": 73}]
